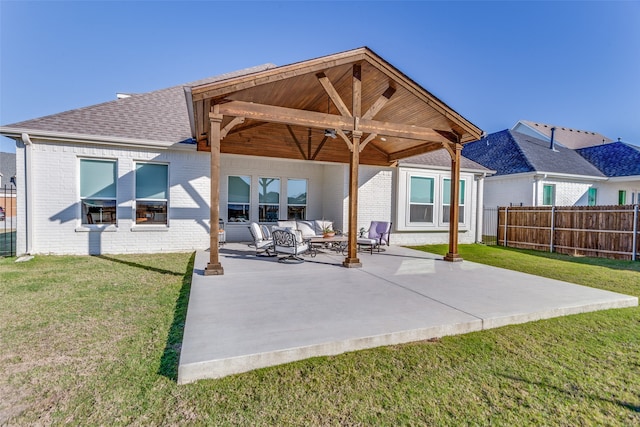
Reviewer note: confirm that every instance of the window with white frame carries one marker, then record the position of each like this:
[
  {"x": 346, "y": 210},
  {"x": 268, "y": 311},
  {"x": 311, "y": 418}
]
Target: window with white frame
[
  {"x": 98, "y": 184},
  {"x": 421, "y": 198},
  {"x": 592, "y": 196},
  {"x": 152, "y": 193},
  {"x": 238, "y": 198},
  {"x": 446, "y": 200},
  {"x": 268, "y": 199},
  {"x": 549, "y": 195},
  {"x": 297, "y": 198}
]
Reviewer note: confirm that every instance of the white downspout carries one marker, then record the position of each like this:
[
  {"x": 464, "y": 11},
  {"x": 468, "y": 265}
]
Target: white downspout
[
  {"x": 29, "y": 193},
  {"x": 480, "y": 208}
]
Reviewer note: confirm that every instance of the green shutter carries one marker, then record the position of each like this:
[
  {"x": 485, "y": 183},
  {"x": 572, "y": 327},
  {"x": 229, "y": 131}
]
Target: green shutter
[
  {"x": 622, "y": 197},
  {"x": 593, "y": 196},
  {"x": 151, "y": 181},
  {"x": 98, "y": 179},
  {"x": 547, "y": 195}
]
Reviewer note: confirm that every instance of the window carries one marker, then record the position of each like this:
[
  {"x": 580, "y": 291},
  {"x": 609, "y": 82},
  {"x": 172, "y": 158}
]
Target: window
[
  {"x": 296, "y": 199},
  {"x": 98, "y": 191},
  {"x": 446, "y": 201},
  {"x": 152, "y": 193},
  {"x": 421, "y": 199},
  {"x": 622, "y": 197},
  {"x": 548, "y": 194},
  {"x": 238, "y": 198},
  {"x": 269, "y": 199},
  {"x": 592, "y": 196}
]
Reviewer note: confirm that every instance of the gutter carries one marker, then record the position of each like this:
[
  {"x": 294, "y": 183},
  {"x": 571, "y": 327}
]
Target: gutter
[
  {"x": 14, "y": 133},
  {"x": 29, "y": 192}
]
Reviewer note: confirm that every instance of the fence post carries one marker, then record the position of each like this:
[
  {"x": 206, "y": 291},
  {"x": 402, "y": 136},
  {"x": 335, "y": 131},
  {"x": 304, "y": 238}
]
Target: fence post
[
  {"x": 553, "y": 223},
  {"x": 634, "y": 254},
  {"x": 506, "y": 209}
]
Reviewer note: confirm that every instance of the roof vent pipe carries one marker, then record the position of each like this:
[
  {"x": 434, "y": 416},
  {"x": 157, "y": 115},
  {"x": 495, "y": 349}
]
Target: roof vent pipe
[{"x": 553, "y": 130}]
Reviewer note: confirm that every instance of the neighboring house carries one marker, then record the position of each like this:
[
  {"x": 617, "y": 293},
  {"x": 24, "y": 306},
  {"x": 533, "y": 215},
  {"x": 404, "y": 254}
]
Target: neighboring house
[
  {"x": 129, "y": 176},
  {"x": 620, "y": 162},
  {"x": 7, "y": 170},
  {"x": 567, "y": 137},
  {"x": 536, "y": 172}
]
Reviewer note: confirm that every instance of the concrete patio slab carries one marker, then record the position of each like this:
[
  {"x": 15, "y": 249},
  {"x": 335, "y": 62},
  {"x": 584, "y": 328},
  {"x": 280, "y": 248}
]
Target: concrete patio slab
[{"x": 263, "y": 313}]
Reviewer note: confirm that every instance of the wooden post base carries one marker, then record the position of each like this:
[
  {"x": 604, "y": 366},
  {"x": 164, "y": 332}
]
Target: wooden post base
[
  {"x": 213, "y": 269},
  {"x": 351, "y": 263},
  {"x": 452, "y": 257}
]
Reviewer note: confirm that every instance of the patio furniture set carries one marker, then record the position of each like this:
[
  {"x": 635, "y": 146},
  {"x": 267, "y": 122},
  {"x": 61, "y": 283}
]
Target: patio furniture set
[{"x": 301, "y": 237}]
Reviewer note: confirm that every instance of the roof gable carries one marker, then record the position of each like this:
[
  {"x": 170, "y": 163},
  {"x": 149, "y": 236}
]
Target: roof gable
[
  {"x": 614, "y": 159},
  {"x": 568, "y": 137},
  {"x": 442, "y": 160}
]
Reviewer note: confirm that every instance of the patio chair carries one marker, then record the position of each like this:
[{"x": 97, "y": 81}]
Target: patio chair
[
  {"x": 289, "y": 242},
  {"x": 378, "y": 234},
  {"x": 263, "y": 245}
]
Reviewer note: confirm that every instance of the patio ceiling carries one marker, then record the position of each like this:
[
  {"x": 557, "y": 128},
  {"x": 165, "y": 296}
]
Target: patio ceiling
[{"x": 284, "y": 112}]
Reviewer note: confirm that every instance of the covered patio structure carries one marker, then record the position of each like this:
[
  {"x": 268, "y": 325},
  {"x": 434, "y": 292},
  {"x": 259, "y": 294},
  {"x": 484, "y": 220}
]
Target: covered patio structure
[{"x": 351, "y": 107}]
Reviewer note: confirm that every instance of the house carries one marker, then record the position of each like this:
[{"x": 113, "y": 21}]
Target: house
[
  {"x": 345, "y": 137},
  {"x": 532, "y": 172},
  {"x": 7, "y": 170},
  {"x": 620, "y": 162},
  {"x": 567, "y": 137}
]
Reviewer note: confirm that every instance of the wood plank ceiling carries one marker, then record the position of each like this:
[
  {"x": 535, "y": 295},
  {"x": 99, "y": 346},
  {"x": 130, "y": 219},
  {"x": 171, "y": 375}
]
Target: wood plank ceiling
[{"x": 284, "y": 112}]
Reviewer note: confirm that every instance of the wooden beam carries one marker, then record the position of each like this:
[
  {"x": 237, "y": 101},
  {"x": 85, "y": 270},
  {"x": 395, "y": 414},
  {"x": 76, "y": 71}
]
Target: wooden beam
[
  {"x": 236, "y": 121},
  {"x": 313, "y": 119},
  {"x": 447, "y": 146},
  {"x": 420, "y": 149},
  {"x": 333, "y": 94},
  {"x": 295, "y": 139},
  {"x": 319, "y": 147},
  {"x": 345, "y": 138},
  {"x": 367, "y": 140},
  {"x": 357, "y": 92},
  {"x": 289, "y": 116},
  {"x": 380, "y": 102}
]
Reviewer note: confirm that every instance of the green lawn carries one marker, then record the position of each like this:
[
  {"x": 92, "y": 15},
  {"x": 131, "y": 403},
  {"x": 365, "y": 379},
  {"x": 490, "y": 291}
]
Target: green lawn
[{"x": 95, "y": 341}]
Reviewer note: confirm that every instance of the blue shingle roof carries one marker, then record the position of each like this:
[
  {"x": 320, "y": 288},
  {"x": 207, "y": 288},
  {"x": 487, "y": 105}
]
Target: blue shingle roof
[
  {"x": 509, "y": 152},
  {"x": 614, "y": 159}
]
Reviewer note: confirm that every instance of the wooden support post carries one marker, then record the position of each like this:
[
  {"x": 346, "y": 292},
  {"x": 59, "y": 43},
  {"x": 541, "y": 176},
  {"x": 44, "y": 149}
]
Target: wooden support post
[
  {"x": 214, "y": 268},
  {"x": 354, "y": 162},
  {"x": 454, "y": 204},
  {"x": 352, "y": 256}
]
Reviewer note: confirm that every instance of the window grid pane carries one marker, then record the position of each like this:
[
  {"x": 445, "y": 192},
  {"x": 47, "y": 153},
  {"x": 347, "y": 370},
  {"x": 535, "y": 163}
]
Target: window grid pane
[
  {"x": 296, "y": 198},
  {"x": 97, "y": 179},
  {"x": 151, "y": 181},
  {"x": 239, "y": 189}
]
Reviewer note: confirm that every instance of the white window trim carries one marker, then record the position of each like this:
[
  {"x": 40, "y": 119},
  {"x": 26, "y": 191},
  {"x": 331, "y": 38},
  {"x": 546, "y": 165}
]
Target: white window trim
[
  {"x": 82, "y": 227},
  {"x": 403, "y": 201},
  {"x": 464, "y": 224},
  {"x": 150, "y": 227}
]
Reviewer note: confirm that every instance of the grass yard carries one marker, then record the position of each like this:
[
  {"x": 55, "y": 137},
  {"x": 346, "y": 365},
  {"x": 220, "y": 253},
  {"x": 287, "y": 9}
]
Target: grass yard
[{"x": 95, "y": 341}]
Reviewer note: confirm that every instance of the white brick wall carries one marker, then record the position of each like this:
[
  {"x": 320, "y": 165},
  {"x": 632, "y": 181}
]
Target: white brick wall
[
  {"x": 56, "y": 209},
  {"x": 56, "y": 212}
]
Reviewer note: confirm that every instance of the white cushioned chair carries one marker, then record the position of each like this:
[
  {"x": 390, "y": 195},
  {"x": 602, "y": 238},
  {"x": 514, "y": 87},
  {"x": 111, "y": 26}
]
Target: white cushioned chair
[{"x": 262, "y": 243}]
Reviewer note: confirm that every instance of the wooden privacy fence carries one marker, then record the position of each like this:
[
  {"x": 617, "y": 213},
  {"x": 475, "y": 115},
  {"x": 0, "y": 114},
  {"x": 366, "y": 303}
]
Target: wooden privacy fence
[{"x": 595, "y": 231}]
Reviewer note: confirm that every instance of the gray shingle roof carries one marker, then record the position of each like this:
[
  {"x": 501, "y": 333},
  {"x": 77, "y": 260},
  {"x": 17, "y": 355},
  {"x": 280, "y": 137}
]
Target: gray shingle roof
[
  {"x": 614, "y": 159},
  {"x": 160, "y": 115},
  {"x": 510, "y": 152},
  {"x": 441, "y": 159}
]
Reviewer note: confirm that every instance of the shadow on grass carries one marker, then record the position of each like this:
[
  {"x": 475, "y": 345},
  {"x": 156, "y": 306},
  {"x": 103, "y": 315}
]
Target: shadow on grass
[
  {"x": 171, "y": 355},
  {"x": 136, "y": 265},
  {"x": 626, "y": 405}
]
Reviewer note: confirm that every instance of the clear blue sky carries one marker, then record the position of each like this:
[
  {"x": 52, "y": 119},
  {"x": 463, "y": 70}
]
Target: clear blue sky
[{"x": 573, "y": 64}]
